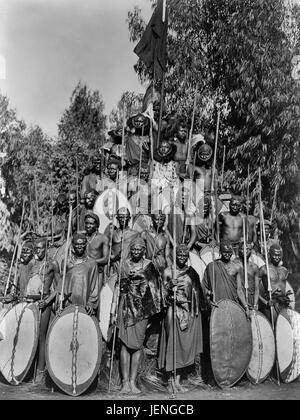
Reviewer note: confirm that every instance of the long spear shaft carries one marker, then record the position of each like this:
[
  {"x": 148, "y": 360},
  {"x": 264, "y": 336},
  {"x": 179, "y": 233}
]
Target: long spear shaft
[
  {"x": 247, "y": 204},
  {"x": 223, "y": 167},
  {"x": 66, "y": 257},
  {"x": 51, "y": 198},
  {"x": 15, "y": 249},
  {"x": 123, "y": 135},
  {"x": 260, "y": 212},
  {"x": 36, "y": 203},
  {"x": 268, "y": 272},
  {"x": 188, "y": 156},
  {"x": 174, "y": 295},
  {"x": 77, "y": 195},
  {"x": 245, "y": 261},
  {"x": 116, "y": 311},
  {"x": 274, "y": 203},
  {"x": 213, "y": 190},
  {"x": 162, "y": 93}
]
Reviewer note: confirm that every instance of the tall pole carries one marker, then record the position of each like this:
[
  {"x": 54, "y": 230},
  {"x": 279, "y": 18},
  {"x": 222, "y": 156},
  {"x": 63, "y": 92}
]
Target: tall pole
[
  {"x": 123, "y": 135},
  {"x": 223, "y": 167},
  {"x": 77, "y": 195},
  {"x": 188, "y": 156},
  {"x": 162, "y": 93},
  {"x": 66, "y": 257},
  {"x": 51, "y": 198},
  {"x": 213, "y": 190},
  {"x": 247, "y": 204},
  {"x": 245, "y": 260},
  {"x": 174, "y": 294},
  {"x": 36, "y": 203}
]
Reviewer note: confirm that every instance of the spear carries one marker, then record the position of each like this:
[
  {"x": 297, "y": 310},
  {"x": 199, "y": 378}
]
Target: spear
[
  {"x": 116, "y": 311},
  {"x": 36, "y": 203},
  {"x": 123, "y": 135},
  {"x": 188, "y": 156},
  {"x": 274, "y": 203},
  {"x": 174, "y": 295},
  {"x": 247, "y": 205},
  {"x": 51, "y": 198},
  {"x": 268, "y": 270},
  {"x": 214, "y": 192},
  {"x": 66, "y": 257},
  {"x": 77, "y": 195},
  {"x": 223, "y": 167},
  {"x": 245, "y": 260},
  {"x": 15, "y": 250}
]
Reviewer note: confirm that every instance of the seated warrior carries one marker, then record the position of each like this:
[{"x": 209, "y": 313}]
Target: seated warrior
[
  {"x": 231, "y": 224},
  {"x": 278, "y": 278},
  {"x": 92, "y": 181},
  {"x": 140, "y": 299},
  {"x": 253, "y": 275},
  {"x": 137, "y": 142},
  {"x": 189, "y": 304}
]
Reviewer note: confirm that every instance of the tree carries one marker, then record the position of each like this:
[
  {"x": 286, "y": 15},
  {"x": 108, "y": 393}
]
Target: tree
[
  {"x": 133, "y": 104},
  {"x": 239, "y": 54}
]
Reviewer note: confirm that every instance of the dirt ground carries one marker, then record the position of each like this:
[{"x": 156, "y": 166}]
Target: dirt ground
[{"x": 244, "y": 390}]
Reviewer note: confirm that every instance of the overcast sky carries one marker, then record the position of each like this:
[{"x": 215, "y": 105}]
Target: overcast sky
[{"x": 49, "y": 45}]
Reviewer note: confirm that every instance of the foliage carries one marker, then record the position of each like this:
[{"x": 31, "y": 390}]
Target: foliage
[{"x": 133, "y": 104}]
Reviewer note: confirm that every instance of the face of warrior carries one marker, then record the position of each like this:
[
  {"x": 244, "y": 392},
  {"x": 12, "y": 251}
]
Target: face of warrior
[
  {"x": 241, "y": 251},
  {"x": 40, "y": 250},
  {"x": 26, "y": 255},
  {"x": 182, "y": 133},
  {"x": 205, "y": 153},
  {"x": 226, "y": 252},
  {"x": 138, "y": 121},
  {"x": 144, "y": 174},
  {"x": 137, "y": 252},
  {"x": 90, "y": 225},
  {"x": 234, "y": 206},
  {"x": 158, "y": 220},
  {"x": 267, "y": 230},
  {"x": 90, "y": 200},
  {"x": 275, "y": 256},
  {"x": 72, "y": 199},
  {"x": 112, "y": 170},
  {"x": 156, "y": 111},
  {"x": 79, "y": 246},
  {"x": 182, "y": 257},
  {"x": 97, "y": 166},
  {"x": 164, "y": 148},
  {"x": 123, "y": 217}
]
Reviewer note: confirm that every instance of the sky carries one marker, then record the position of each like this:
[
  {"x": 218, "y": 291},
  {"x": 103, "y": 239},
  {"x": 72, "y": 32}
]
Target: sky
[{"x": 48, "y": 46}]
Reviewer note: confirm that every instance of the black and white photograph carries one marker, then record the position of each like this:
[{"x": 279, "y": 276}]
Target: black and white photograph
[{"x": 149, "y": 202}]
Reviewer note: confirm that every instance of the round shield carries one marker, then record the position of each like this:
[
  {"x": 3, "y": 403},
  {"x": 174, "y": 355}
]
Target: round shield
[
  {"x": 73, "y": 350},
  {"x": 197, "y": 264},
  {"x": 107, "y": 205},
  {"x": 209, "y": 253},
  {"x": 19, "y": 331},
  {"x": 106, "y": 300},
  {"x": 290, "y": 290}
]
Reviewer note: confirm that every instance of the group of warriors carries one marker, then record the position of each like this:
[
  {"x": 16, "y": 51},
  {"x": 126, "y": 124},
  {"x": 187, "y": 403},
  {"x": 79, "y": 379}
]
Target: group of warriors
[{"x": 150, "y": 255}]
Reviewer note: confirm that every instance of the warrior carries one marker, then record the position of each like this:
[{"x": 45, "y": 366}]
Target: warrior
[
  {"x": 137, "y": 142},
  {"x": 73, "y": 201},
  {"x": 251, "y": 222},
  {"x": 60, "y": 219},
  {"x": 221, "y": 279},
  {"x": 278, "y": 278},
  {"x": 122, "y": 237},
  {"x": 188, "y": 329},
  {"x": 92, "y": 181},
  {"x": 23, "y": 268},
  {"x": 90, "y": 199},
  {"x": 37, "y": 281},
  {"x": 140, "y": 299},
  {"x": 253, "y": 275},
  {"x": 269, "y": 239},
  {"x": 180, "y": 141},
  {"x": 116, "y": 148},
  {"x": 157, "y": 242},
  {"x": 81, "y": 285},
  {"x": 203, "y": 168},
  {"x": 205, "y": 228},
  {"x": 97, "y": 244},
  {"x": 111, "y": 176},
  {"x": 231, "y": 224}
]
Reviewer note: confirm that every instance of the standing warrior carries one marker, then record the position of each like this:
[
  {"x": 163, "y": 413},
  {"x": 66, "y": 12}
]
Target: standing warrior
[
  {"x": 40, "y": 279},
  {"x": 180, "y": 141},
  {"x": 253, "y": 275},
  {"x": 137, "y": 142},
  {"x": 110, "y": 179},
  {"x": 89, "y": 202},
  {"x": 140, "y": 299},
  {"x": 189, "y": 304},
  {"x": 92, "y": 181},
  {"x": 157, "y": 242},
  {"x": 205, "y": 228},
  {"x": 269, "y": 239},
  {"x": 97, "y": 244},
  {"x": 81, "y": 283},
  {"x": 278, "y": 278},
  {"x": 203, "y": 168},
  {"x": 222, "y": 278},
  {"x": 231, "y": 224},
  {"x": 251, "y": 222}
]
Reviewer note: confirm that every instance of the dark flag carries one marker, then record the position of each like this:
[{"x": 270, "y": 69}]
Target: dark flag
[{"x": 152, "y": 48}]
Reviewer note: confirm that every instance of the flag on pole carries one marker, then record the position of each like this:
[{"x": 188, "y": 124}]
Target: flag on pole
[{"x": 152, "y": 47}]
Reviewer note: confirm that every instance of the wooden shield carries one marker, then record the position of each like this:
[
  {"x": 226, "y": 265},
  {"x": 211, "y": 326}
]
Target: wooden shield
[
  {"x": 207, "y": 253},
  {"x": 288, "y": 288},
  {"x": 287, "y": 333},
  {"x": 19, "y": 328},
  {"x": 107, "y": 204},
  {"x": 257, "y": 259},
  {"x": 73, "y": 350},
  {"x": 263, "y": 348},
  {"x": 230, "y": 342}
]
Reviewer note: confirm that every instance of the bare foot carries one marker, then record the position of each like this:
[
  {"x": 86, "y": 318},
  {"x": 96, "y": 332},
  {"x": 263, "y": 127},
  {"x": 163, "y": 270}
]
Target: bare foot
[
  {"x": 171, "y": 387},
  {"x": 134, "y": 388},
  {"x": 180, "y": 388},
  {"x": 126, "y": 389}
]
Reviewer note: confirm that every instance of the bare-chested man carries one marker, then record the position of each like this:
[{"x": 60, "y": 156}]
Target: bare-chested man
[
  {"x": 231, "y": 224},
  {"x": 180, "y": 140},
  {"x": 251, "y": 222},
  {"x": 203, "y": 168},
  {"x": 97, "y": 244},
  {"x": 253, "y": 275},
  {"x": 278, "y": 278},
  {"x": 92, "y": 181},
  {"x": 89, "y": 202}
]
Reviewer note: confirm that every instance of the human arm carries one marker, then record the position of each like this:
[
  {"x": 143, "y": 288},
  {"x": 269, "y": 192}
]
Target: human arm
[{"x": 240, "y": 291}]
